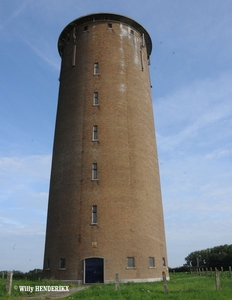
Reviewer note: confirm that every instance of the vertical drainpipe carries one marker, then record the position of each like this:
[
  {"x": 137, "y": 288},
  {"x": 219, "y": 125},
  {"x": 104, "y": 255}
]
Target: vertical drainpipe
[
  {"x": 74, "y": 48},
  {"x": 141, "y": 51}
]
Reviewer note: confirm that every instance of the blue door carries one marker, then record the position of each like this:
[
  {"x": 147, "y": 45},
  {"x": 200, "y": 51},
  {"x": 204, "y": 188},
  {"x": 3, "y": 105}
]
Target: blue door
[{"x": 94, "y": 270}]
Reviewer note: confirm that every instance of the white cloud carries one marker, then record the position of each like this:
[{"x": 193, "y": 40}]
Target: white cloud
[
  {"x": 220, "y": 152},
  {"x": 184, "y": 115},
  {"x": 22, "y": 251},
  {"x": 195, "y": 152},
  {"x": 24, "y": 189},
  {"x": 16, "y": 13},
  {"x": 44, "y": 52},
  {"x": 24, "y": 196},
  {"x": 26, "y": 168},
  {"x": 197, "y": 202}
]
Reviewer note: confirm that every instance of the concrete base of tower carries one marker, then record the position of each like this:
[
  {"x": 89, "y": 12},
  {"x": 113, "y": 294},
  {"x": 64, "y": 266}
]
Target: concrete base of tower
[
  {"x": 110, "y": 281},
  {"x": 140, "y": 280},
  {"x": 74, "y": 281}
]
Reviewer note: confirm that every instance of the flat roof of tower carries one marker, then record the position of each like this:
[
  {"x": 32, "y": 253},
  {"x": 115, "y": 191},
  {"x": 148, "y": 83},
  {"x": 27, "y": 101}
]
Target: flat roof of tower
[{"x": 104, "y": 17}]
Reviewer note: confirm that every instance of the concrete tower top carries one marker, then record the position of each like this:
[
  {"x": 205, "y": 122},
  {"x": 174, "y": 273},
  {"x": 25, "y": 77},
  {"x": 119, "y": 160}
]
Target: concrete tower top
[{"x": 103, "y": 17}]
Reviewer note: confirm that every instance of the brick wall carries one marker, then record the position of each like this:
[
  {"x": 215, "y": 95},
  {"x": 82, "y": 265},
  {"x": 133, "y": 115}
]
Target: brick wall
[{"x": 127, "y": 192}]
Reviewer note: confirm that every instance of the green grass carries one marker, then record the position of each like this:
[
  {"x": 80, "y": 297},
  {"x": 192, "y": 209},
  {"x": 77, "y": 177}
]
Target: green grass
[{"x": 181, "y": 286}]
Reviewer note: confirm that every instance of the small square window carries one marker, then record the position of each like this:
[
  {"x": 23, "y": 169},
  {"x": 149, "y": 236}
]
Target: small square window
[
  {"x": 62, "y": 263},
  {"x": 95, "y": 98},
  {"x": 94, "y": 171},
  {"x": 94, "y": 214},
  {"x": 96, "y": 69},
  {"x": 110, "y": 26},
  {"x": 85, "y": 28},
  {"x": 151, "y": 262},
  {"x": 130, "y": 262}
]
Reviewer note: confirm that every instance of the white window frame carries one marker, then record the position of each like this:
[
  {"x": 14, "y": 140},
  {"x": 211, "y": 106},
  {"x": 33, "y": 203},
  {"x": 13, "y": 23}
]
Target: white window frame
[
  {"x": 94, "y": 214},
  {"x": 95, "y": 133},
  {"x": 95, "y": 99},
  {"x": 94, "y": 171},
  {"x": 96, "y": 68}
]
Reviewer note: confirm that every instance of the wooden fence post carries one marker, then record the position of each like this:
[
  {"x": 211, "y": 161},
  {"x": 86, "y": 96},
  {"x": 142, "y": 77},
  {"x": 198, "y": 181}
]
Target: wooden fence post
[
  {"x": 222, "y": 271},
  {"x": 165, "y": 282},
  {"x": 230, "y": 272},
  {"x": 9, "y": 282},
  {"x": 2, "y": 274},
  {"x": 217, "y": 279},
  {"x": 117, "y": 287}
]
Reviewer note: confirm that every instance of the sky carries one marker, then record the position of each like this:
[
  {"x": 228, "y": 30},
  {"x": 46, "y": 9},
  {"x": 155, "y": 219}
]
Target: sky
[{"x": 191, "y": 75}]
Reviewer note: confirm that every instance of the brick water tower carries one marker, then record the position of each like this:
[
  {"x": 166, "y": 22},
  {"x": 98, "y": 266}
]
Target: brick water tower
[{"x": 105, "y": 211}]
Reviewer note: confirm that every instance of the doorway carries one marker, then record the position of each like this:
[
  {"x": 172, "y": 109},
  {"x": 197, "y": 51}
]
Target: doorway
[{"x": 94, "y": 270}]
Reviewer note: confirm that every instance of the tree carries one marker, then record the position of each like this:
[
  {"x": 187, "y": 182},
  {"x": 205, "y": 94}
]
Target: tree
[{"x": 216, "y": 257}]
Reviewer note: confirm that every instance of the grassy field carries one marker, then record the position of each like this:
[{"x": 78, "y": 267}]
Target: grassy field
[{"x": 181, "y": 287}]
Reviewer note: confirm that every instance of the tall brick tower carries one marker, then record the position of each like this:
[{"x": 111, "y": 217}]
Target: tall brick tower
[{"x": 105, "y": 211}]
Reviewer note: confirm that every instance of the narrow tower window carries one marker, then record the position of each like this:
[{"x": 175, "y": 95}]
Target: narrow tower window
[
  {"x": 95, "y": 98},
  {"x": 62, "y": 263},
  {"x": 164, "y": 262},
  {"x": 132, "y": 32},
  {"x": 94, "y": 171},
  {"x": 110, "y": 25},
  {"x": 96, "y": 69},
  {"x": 130, "y": 262},
  {"x": 94, "y": 214},
  {"x": 74, "y": 55},
  {"x": 151, "y": 262},
  {"x": 85, "y": 28},
  {"x": 48, "y": 264},
  {"x": 95, "y": 133}
]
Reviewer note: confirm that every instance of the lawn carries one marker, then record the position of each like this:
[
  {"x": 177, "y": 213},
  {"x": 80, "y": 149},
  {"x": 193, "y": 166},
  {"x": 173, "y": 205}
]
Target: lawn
[{"x": 182, "y": 286}]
